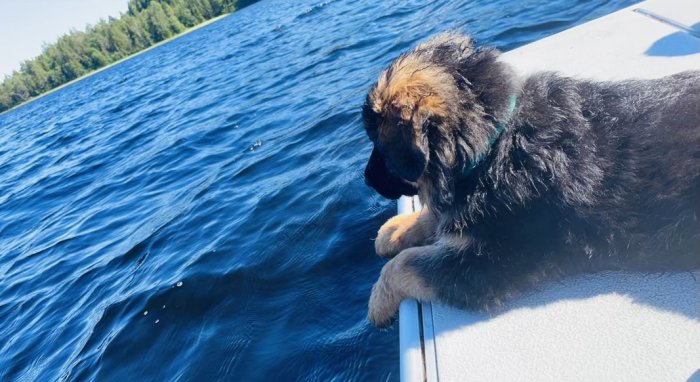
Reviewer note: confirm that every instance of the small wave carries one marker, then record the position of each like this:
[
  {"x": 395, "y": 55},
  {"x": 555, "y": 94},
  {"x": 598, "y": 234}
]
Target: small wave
[
  {"x": 255, "y": 145},
  {"x": 314, "y": 10}
]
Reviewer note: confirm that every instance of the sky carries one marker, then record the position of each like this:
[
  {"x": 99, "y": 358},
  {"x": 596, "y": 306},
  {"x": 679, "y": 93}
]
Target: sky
[{"x": 25, "y": 25}]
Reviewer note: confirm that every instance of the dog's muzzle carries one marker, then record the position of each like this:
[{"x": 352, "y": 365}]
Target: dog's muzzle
[{"x": 390, "y": 186}]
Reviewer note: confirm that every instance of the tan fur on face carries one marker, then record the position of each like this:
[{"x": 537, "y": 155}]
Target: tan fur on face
[{"x": 412, "y": 89}]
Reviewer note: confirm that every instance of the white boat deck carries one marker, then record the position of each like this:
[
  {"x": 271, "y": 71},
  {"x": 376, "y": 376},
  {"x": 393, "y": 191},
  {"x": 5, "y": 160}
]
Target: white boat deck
[{"x": 604, "y": 327}]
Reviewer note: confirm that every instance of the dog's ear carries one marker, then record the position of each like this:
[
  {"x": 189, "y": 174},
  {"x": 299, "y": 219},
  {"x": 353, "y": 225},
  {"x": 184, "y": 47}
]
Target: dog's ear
[{"x": 390, "y": 186}]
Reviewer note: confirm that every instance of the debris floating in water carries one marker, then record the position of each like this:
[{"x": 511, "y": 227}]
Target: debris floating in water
[
  {"x": 145, "y": 313},
  {"x": 157, "y": 321},
  {"x": 179, "y": 284},
  {"x": 255, "y": 145}
]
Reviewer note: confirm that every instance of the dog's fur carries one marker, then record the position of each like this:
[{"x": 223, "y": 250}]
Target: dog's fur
[{"x": 580, "y": 176}]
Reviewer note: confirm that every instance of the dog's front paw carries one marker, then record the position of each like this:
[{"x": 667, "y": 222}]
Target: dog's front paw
[
  {"x": 383, "y": 305},
  {"x": 400, "y": 279},
  {"x": 388, "y": 242},
  {"x": 397, "y": 234}
]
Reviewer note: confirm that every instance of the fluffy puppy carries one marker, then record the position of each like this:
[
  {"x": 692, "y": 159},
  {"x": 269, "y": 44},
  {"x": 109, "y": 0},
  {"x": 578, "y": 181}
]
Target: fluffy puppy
[{"x": 526, "y": 179}]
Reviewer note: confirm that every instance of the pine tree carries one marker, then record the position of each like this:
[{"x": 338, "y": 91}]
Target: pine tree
[
  {"x": 157, "y": 22},
  {"x": 77, "y": 53}
]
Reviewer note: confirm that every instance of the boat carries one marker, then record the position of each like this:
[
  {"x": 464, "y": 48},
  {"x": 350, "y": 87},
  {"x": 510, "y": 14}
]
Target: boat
[{"x": 607, "y": 326}]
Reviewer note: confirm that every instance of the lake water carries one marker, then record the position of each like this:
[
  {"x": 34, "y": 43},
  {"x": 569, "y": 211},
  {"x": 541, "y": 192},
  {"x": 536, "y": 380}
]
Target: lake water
[{"x": 199, "y": 213}]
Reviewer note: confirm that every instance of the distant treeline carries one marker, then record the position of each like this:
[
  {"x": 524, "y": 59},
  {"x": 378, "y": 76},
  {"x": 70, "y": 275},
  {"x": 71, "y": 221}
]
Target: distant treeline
[{"x": 145, "y": 23}]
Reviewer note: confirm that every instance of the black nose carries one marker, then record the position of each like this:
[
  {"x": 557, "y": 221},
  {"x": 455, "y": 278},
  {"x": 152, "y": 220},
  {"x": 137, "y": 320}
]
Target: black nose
[{"x": 390, "y": 186}]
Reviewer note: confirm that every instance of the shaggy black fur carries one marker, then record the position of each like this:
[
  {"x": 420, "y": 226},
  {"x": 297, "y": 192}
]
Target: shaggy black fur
[{"x": 586, "y": 176}]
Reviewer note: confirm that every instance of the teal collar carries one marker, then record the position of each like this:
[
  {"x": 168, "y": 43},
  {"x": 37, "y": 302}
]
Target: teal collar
[{"x": 500, "y": 128}]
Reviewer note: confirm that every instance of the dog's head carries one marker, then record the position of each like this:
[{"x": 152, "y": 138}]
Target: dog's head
[{"x": 431, "y": 113}]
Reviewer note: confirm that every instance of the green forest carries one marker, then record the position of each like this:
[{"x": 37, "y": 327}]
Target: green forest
[{"x": 77, "y": 53}]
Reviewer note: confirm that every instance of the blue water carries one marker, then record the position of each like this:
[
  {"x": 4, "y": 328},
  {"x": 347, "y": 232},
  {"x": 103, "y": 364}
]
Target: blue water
[{"x": 198, "y": 212}]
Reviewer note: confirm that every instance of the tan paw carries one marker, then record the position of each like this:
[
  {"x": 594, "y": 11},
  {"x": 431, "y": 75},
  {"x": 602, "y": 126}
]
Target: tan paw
[
  {"x": 383, "y": 305},
  {"x": 398, "y": 280},
  {"x": 388, "y": 242},
  {"x": 399, "y": 233}
]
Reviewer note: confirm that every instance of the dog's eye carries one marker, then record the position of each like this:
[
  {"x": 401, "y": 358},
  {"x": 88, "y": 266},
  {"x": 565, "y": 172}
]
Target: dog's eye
[
  {"x": 371, "y": 121},
  {"x": 426, "y": 126},
  {"x": 373, "y": 134},
  {"x": 430, "y": 124},
  {"x": 367, "y": 113}
]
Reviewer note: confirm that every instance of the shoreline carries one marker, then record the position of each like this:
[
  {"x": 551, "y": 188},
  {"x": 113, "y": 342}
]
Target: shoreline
[{"x": 86, "y": 75}]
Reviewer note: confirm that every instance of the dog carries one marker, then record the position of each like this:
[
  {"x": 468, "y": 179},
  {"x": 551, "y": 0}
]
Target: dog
[{"x": 526, "y": 180}]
